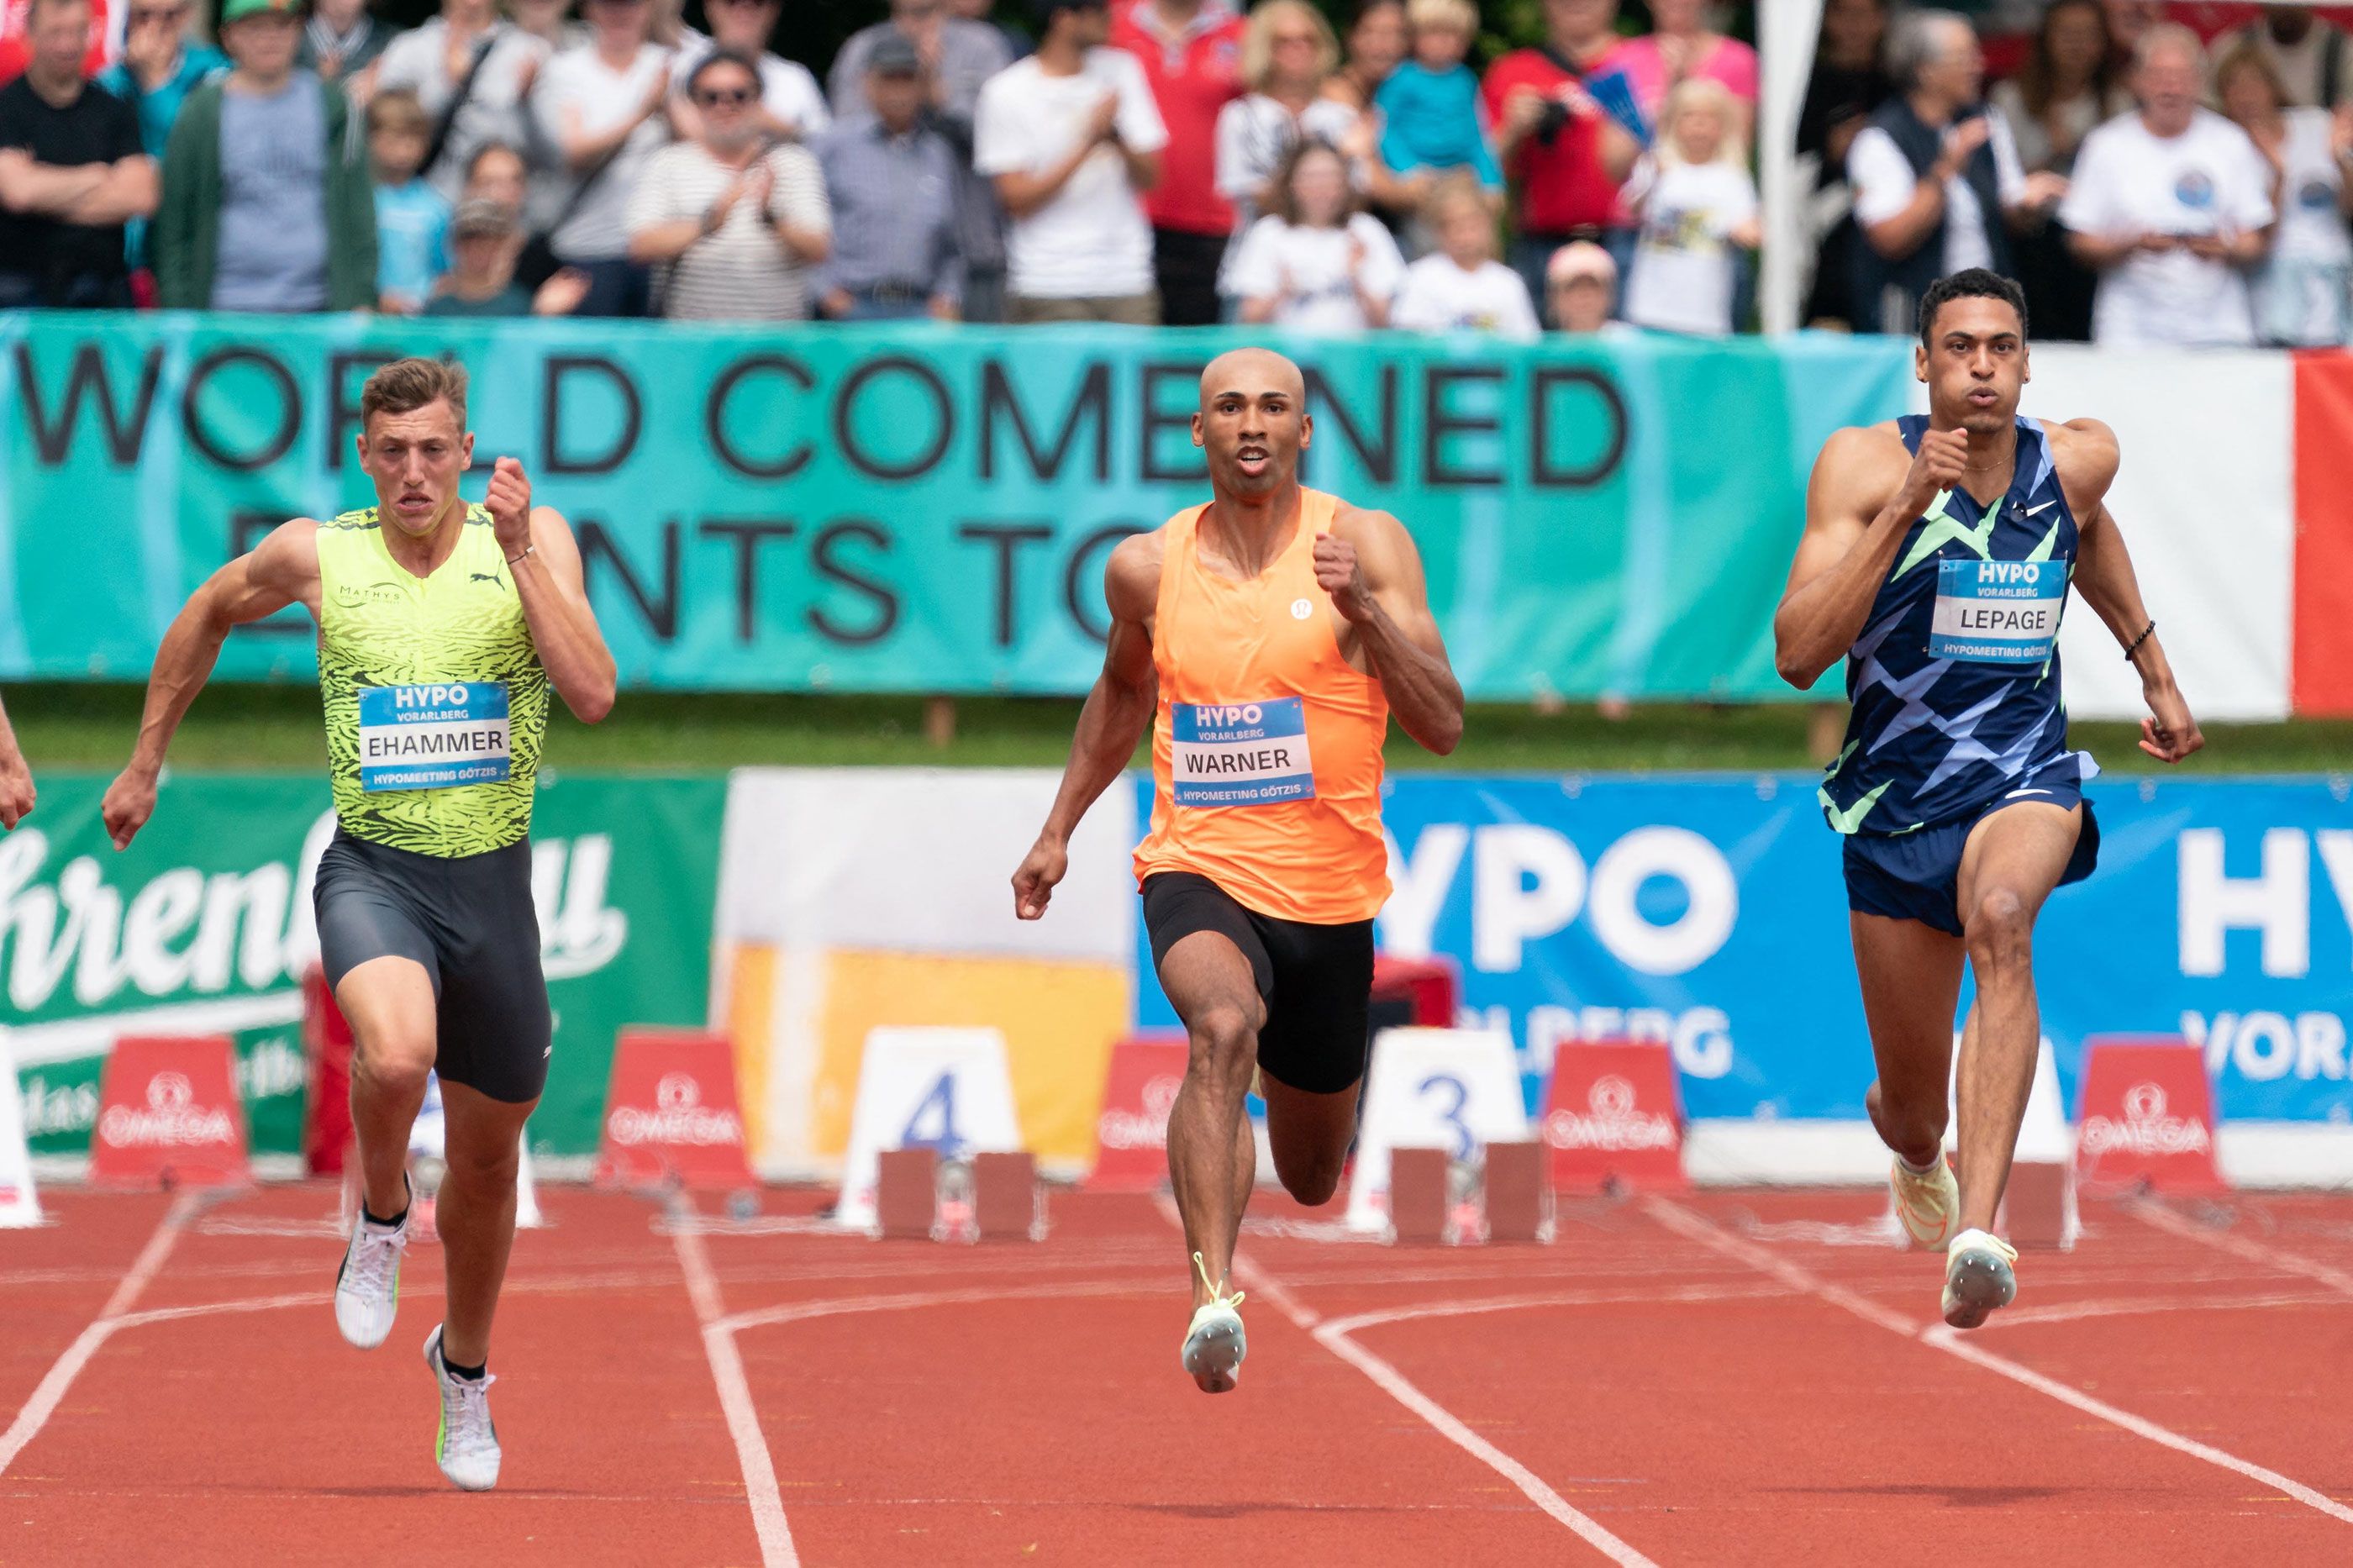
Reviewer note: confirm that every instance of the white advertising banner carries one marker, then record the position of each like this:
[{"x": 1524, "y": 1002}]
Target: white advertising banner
[{"x": 2205, "y": 499}]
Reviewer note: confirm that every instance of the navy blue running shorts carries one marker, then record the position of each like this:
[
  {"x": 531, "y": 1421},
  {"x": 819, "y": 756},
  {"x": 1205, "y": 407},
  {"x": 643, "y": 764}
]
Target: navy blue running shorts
[{"x": 1917, "y": 876}]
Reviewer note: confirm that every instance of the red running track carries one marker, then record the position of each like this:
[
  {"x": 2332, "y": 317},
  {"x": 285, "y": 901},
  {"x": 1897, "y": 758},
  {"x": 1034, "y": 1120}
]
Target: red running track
[{"x": 1749, "y": 1379}]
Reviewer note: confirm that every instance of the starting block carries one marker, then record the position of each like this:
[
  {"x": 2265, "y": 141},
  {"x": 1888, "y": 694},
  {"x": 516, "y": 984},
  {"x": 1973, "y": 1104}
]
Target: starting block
[
  {"x": 1437, "y": 1201},
  {"x": 947, "y": 1090},
  {"x": 993, "y": 1196},
  {"x": 1448, "y": 1091}
]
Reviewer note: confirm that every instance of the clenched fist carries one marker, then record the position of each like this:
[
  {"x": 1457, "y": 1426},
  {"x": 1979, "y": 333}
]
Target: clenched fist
[
  {"x": 509, "y": 503},
  {"x": 1937, "y": 467},
  {"x": 1338, "y": 574}
]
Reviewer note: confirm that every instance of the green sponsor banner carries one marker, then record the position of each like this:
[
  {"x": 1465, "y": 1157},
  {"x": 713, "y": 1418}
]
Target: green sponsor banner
[
  {"x": 203, "y": 926},
  {"x": 928, "y": 508}
]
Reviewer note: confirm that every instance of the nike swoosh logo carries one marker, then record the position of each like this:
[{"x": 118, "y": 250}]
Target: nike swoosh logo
[
  {"x": 2014, "y": 794},
  {"x": 2029, "y": 512}
]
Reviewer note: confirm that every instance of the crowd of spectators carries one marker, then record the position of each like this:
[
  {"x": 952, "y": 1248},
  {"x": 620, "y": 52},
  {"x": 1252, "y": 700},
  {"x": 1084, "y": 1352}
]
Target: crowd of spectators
[
  {"x": 1143, "y": 161},
  {"x": 1177, "y": 162},
  {"x": 2146, "y": 186}
]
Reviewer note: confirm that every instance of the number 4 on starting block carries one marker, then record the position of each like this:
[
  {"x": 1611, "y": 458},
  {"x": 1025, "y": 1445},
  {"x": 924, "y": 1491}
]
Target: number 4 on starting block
[
  {"x": 1450, "y": 1090},
  {"x": 945, "y": 1090}
]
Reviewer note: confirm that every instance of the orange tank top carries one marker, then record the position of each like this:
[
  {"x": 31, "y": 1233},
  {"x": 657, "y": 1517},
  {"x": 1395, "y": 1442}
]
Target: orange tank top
[{"x": 1267, "y": 754}]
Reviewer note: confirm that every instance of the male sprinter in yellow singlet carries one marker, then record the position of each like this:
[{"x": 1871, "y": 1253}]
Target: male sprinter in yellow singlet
[
  {"x": 441, "y": 627},
  {"x": 1281, "y": 627}
]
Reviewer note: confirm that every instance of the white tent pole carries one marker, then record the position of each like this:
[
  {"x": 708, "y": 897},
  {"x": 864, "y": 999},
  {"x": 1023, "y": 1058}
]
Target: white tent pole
[{"x": 1786, "y": 31}]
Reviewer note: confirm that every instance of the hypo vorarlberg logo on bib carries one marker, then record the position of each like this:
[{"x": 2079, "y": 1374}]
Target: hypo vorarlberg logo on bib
[
  {"x": 1239, "y": 754},
  {"x": 1998, "y": 612},
  {"x": 431, "y": 737}
]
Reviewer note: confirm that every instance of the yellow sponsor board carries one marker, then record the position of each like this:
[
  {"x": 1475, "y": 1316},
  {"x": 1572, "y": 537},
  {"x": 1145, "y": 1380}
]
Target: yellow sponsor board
[{"x": 800, "y": 1018}]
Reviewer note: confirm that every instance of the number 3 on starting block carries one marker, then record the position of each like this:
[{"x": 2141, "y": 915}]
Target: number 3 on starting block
[
  {"x": 940, "y": 1089},
  {"x": 1455, "y": 1089}
]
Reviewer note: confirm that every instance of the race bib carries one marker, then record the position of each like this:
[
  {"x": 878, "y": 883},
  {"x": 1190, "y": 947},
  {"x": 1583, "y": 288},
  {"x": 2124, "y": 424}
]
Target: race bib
[
  {"x": 1998, "y": 612},
  {"x": 431, "y": 737},
  {"x": 1239, "y": 754}
]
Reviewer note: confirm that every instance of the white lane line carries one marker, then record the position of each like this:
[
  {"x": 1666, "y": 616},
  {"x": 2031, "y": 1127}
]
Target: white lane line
[
  {"x": 2129, "y": 1307},
  {"x": 1473, "y": 1306},
  {"x": 2158, "y": 1216},
  {"x": 53, "y": 1386},
  {"x": 1333, "y": 1337},
  {"x": 752, "y": 1455},
  {"x": 1938, "y": 1336}
]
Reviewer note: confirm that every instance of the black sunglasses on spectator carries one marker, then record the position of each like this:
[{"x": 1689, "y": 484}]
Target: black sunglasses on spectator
[{"x": 712, "y": 97}]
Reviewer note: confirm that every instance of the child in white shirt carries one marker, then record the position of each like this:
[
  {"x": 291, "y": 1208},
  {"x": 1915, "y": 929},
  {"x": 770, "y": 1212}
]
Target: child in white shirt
[
  {"x": 1460, "y": 286},
  {"x": 1317, "y": 262},
  {"x": 1698, "y": 207}
]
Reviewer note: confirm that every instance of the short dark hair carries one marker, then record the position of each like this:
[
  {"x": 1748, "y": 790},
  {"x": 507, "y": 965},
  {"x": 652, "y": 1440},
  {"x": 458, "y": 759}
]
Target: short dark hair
[
  {"x": 405, "y": 385},
  {"x": 718, "y": 57},
  {"x": 1970, "y": 283}
]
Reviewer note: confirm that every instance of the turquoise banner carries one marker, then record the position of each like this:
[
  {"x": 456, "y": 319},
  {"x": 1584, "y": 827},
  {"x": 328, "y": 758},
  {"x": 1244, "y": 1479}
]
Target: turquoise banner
[{"x": 925, "y": 508}]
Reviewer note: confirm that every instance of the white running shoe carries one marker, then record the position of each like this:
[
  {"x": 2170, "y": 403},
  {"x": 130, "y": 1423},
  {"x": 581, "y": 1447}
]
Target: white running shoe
[
  {"x": 1928, "y": 1203},
  {"x": 1215, "y": 1344},
  {"x": 1979, "y": 1278},
  {"x": 467, "y": 1446},
  {"x": 367, "y": 1286}
]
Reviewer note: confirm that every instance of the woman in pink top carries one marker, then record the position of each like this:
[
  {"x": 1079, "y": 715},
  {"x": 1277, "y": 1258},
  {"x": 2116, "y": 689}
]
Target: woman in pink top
[{"x": 1683, "y": 45}]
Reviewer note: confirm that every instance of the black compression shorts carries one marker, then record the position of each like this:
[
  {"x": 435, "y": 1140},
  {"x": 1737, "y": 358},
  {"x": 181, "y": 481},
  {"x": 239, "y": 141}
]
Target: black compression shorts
[
  {"x": 471, "y": 922},
  {"x": 1316, "y": 980}
]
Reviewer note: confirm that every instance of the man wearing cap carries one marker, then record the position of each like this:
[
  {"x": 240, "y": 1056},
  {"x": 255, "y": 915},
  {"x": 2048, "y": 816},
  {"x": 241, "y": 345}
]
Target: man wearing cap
[
  {"x": 268, "y": 201},
  {"x": 957, "y": 56},
  {"x": 1073, "y": 139},
  {"x": 485, "y": 239},
  {"x": 892, "y": 180}
]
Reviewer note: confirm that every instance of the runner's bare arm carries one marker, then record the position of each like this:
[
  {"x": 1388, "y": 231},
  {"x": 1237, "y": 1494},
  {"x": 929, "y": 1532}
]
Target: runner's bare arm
[
  {"x": 282, "y": 570},
  {"x": 1859, "y": 505},
  {"x": 16, "y": 792},
  {"x": 1369, "y": 565},
  {"x": 1115, "y": 720},
  {"x": 2104, "y": 576},
  {"x": 545, "y": 561}
]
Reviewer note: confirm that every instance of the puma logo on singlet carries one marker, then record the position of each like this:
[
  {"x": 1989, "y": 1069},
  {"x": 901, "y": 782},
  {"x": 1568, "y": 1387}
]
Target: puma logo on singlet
[{"x": 486, "y": 577}]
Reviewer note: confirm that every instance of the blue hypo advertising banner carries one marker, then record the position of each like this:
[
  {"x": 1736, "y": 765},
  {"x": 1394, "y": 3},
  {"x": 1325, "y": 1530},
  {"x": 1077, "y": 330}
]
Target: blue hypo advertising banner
[{"x": 1709, "y": 912}]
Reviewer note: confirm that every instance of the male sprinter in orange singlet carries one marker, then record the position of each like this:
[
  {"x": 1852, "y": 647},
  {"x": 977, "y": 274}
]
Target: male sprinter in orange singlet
[
  {"x": 1281, "y": 627},
  {"x": 1937, "y": 554}
]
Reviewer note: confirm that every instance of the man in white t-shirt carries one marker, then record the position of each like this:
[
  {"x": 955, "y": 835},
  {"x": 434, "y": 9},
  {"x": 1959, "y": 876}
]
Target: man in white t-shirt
[
  {"x": 1072, "y": 139},
  {"x": 2171, "y": 206},
  {"x": 1922, "y": 223}
]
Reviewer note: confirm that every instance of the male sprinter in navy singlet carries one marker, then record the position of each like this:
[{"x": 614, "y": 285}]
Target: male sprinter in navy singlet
[{"x": 1937, "y": 559}]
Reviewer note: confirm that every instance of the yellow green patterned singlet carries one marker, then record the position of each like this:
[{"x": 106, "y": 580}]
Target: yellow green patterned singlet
[{"x": 436, "y": 698}]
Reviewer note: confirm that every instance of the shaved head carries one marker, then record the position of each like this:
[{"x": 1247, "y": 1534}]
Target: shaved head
[
  {"x": 1251, "y": 370},
  {"x": 1253, "y": 422}
]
